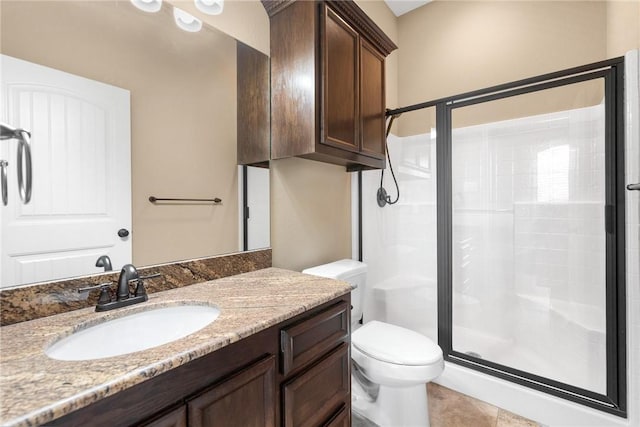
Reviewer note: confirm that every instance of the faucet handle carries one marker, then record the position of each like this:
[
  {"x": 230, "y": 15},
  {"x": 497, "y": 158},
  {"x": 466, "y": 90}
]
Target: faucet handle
[
  {"x": 105, "y": 292},
  {"x": 105, "y": 295},
  {"x": 140, "y": 290},
  {"x": 99, "y": 286},
  {"x": 150, "y": 276}
]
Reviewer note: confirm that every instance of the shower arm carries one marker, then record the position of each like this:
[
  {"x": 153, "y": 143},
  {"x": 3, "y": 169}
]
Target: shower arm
[{"x": 23, "y": 158}]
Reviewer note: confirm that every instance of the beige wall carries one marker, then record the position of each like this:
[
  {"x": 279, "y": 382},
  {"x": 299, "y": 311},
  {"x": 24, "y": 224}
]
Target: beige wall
[
  {"x": 623, "y": 27},
  {"x": 183, "y": 98},
  {"x": 451, "y": 47},
  {"x": 310, "y": 213},
  {"x": 244, "y": 20},
  {"x": 311, "y": 201}
]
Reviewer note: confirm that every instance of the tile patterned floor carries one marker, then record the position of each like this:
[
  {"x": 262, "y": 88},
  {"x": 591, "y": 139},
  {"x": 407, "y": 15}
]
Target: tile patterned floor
[{"x": 448, "y": 408}]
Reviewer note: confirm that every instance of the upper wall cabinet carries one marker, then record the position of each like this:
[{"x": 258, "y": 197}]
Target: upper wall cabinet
[{"x": 327, "y": 83}]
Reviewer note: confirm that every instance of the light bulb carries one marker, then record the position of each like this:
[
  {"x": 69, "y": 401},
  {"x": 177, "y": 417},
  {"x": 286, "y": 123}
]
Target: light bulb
[
  {"x": 210, "y": 7},
  {"x": 186, "y": 21},
  {"x": 148, "y": 5}
]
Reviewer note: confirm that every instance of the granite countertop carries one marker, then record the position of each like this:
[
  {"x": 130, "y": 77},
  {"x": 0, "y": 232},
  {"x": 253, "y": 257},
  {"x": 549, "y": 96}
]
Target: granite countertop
[{"x": 35, "y": 389}]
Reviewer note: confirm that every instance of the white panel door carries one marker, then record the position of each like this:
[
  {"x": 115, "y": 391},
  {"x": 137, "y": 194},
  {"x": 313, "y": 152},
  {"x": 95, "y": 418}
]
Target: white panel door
[{"x": 81, "y": 145}]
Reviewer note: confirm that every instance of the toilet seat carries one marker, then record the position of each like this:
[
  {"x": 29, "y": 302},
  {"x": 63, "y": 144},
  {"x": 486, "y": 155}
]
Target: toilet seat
[
  {"x": 394, "y": 356},
  {"x": 394, "y": 344}
]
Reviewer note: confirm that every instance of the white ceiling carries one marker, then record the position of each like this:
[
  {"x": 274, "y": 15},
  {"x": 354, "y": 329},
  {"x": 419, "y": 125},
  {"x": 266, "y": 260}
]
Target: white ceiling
[{"x": 400, "y": 7}]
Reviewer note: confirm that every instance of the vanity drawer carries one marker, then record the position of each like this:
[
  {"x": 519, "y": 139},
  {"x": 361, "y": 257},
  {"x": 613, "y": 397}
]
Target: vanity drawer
[
  {"x": 311, "y": 398},
  {"x": 303, "y": 342}
]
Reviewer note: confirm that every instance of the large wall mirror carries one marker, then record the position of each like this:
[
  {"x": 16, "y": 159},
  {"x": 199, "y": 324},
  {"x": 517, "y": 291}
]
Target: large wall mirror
[{"x": 122, "y": 105}]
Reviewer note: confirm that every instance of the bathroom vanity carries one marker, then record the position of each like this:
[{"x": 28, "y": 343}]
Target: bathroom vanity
[{"x": 278, "y": 354}]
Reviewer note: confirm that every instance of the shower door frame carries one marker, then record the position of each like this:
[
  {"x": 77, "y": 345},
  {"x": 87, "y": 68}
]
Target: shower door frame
[{"x": 612, "y": 71}]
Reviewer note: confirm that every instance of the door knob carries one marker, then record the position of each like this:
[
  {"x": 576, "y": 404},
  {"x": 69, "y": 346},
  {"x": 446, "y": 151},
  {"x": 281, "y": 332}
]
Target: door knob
[{"x": 123, "y": 232}]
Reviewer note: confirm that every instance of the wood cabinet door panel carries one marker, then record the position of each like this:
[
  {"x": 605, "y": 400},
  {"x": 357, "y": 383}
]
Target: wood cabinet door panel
[
  {"x": 340, "y": 46},
  {"x": 340, "y": 418},
  {"x": 372, "y": 101},
  {"x": 245, "y": 399},
  {"x": 303, "y": 342},
  {"x": 175, "y": 418},
  {"x": 312, "y": 397}
]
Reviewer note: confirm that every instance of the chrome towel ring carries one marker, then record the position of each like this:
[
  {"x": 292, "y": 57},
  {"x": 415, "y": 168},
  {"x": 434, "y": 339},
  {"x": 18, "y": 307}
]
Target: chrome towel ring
[
  {"x": 23, "y": 160},
  {"x": 24, "y": 180},
  {"x": 3, "y": 181}
]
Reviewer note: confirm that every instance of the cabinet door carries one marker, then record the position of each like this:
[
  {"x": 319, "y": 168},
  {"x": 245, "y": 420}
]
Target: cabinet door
[
  {"x": 245, "y": 399},
  {"x": 175, "y": 418},
  {"x": 372, "y": 104},
  {"x": 342, "y": 418},
  {"x": 306, "y": 341},
  {"x": 311, "y": 398},
  {"x": 340, "y": 75}
]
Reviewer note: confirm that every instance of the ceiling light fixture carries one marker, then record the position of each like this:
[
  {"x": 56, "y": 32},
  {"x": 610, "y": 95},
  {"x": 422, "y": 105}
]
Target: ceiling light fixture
[
  {"x": 210, "y": 7},
  {"x": 186, "y": 21},
  {"x": 148, "y": 5}
]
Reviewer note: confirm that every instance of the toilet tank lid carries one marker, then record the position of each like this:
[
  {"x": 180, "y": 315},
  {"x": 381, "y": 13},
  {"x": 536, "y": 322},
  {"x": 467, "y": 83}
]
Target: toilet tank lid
[
  {"x": 394, "y": 344},
  {"x": 342, "y": 270}
]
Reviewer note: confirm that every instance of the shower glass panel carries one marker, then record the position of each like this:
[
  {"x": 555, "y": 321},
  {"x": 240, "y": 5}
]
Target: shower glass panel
[
  {"x": 399, "y": 240},
  {"x": 528, "y": 233}
]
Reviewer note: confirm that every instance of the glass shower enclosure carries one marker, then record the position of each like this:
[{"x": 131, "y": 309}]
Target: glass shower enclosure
[{"x": 507, "y": 243}]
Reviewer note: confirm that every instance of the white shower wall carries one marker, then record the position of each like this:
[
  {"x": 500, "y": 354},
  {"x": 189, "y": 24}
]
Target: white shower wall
[{"x": 399, "y": 241}]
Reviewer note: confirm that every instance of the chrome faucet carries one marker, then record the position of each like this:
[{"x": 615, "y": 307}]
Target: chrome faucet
[{"x": 127, "y": 273}]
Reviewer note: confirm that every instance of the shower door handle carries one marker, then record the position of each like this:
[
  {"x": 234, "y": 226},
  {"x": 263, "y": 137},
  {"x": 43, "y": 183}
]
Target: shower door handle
[{"x": 632, "y": 187}]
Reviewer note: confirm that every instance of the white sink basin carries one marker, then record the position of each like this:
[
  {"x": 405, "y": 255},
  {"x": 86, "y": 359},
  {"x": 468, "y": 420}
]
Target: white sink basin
[{"x": 135, "y": 332}]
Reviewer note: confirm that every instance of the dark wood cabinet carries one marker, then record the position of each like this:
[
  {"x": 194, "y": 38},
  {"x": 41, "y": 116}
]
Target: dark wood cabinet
[
  {"x": 372, "y": 101},
  {"x": 246, "y": 399},
  {"x": 327, "y": 83},
  {"x": 311, "y": 398},
  {"x": 315, "y": 363},
  {"x": 340, "y": 419},
  {"x": 304, "y": 342},
  {"x": 253, "y": 141},
  {"x": 340, "y": 109},
  {"x": 241, "y": 384},
  {"x": 174, "y": 418}
]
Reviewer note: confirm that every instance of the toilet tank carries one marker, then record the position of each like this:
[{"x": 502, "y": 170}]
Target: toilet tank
[{"x": 354, "y": 272}]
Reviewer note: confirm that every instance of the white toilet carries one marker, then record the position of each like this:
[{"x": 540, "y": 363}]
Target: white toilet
[{"x": 391, "y": 365}]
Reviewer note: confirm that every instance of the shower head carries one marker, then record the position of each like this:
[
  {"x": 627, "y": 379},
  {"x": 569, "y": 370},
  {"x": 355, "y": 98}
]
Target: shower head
[{"x": 8, "y": 132}]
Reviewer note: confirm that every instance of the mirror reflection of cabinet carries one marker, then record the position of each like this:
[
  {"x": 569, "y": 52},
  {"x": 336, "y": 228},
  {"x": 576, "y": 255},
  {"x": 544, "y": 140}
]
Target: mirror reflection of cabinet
[
  {"x": 253, "y": 107},
  {"x": 327, "y": 83}
]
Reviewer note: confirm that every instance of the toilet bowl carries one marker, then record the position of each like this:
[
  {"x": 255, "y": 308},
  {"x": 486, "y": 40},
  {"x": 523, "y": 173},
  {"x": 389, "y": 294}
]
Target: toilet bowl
[{"x": 391, "y": 364}]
